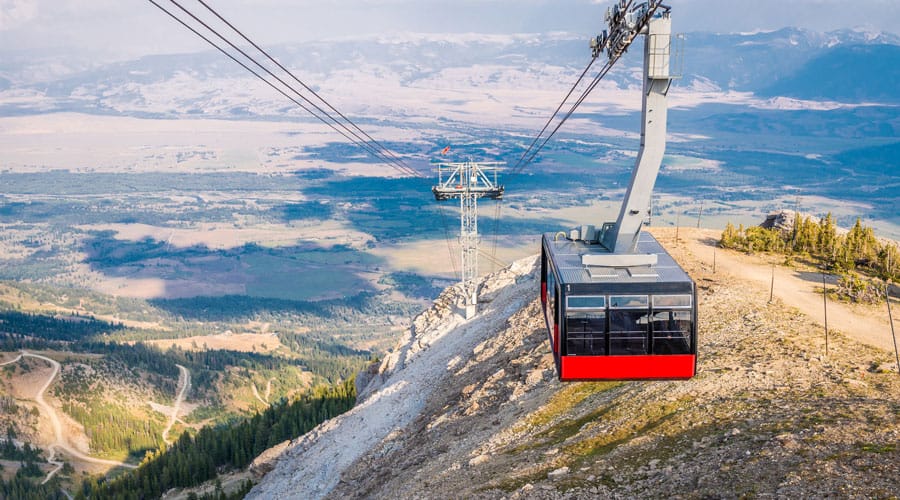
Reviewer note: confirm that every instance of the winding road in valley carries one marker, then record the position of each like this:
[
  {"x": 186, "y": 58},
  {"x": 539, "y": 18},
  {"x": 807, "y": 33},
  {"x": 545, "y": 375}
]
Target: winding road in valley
[
  {"x": 263, "y": 400},
  {"x": 184, "y": 384},
  {"x": 14, "y": 360},
  {"x": 59, "y": 440}
]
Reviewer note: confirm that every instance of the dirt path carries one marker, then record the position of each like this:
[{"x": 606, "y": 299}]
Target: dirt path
[
  {"x": 14, "y": 360},
  {"x": 60, "y": 442},
  {"x": 795, "y": 288},
  {"x": 268, "y": 389},
  {"x": 50, "y": 460},
  {"x": 263, "y": 399},
  {"x": 184, "y": 384},
  {"x": 256, "y": 393}
]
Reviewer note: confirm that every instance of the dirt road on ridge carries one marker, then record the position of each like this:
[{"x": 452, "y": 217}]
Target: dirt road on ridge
[{"x": 795, "y": 288}]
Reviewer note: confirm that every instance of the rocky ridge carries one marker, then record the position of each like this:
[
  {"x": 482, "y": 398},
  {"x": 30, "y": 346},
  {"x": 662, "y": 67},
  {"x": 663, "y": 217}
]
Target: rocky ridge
[{"x": 473, "y": 409}]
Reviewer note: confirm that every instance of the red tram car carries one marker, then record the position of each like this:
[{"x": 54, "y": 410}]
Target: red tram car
[{"x": 618, "y": 323}]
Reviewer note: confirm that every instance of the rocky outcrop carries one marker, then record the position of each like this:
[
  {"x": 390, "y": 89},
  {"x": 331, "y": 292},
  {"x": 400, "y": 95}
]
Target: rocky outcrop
[{"x": 782, "y": 220}]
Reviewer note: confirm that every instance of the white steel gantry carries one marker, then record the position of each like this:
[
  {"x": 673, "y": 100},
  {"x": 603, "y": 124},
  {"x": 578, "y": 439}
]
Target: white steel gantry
[{"x": 468, "y": 181}]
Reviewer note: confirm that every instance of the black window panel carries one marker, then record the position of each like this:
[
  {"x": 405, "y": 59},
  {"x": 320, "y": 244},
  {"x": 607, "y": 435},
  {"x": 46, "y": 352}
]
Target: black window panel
[
  {"x": 672, "y": 332},
  {"x": 628, "y": 321},
  {"x": 627, "y": 343},
  {"x": 628, "y": 330},
  {"x": 671, "y": 345},
  {"x": 586, "y": 334}
]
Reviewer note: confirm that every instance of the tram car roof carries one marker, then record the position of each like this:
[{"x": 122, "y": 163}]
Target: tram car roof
[{"x": 566, "y": 256}]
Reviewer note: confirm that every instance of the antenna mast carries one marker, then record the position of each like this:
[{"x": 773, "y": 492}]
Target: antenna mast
[{"x": 468, "y": 181}]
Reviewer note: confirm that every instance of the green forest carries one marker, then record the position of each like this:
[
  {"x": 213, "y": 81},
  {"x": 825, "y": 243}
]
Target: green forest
[
  {"x": 854, "y": 254},
  {"x": 121, "y": 431},
  {"x": 191, "y": 460},
  {"x": 23, "y": 487}
]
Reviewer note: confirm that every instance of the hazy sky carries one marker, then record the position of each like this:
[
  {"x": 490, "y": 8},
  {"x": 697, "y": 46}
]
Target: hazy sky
[{"x": 129, "y": 28}]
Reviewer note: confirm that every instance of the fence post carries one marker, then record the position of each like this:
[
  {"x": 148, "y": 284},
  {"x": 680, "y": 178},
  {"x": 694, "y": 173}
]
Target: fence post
[
  {"x": 825, "y": 304},
  {"x": 677, "y": 224},
  {"x": 887, "y": 298},
  {"x": 772, "y": 286}
]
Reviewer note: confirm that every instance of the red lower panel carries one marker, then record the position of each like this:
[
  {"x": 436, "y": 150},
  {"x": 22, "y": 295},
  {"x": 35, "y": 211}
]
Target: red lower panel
[{"x": 668, "y": 366}]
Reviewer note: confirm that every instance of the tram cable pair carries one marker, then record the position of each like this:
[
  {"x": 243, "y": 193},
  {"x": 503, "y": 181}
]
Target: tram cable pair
[
  {"x": 311, "y": 102},
  {"x": 314, "y": 104}
]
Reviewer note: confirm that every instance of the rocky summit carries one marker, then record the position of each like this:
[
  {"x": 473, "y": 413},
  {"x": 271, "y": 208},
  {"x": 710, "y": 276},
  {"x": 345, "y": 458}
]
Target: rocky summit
[{"x": 473, "y": 409}]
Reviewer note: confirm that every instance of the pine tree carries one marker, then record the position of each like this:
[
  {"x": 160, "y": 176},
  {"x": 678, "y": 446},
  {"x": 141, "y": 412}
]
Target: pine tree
[
  {"x": 729, "y": 237},
  {"x": 827, "y": 237}
]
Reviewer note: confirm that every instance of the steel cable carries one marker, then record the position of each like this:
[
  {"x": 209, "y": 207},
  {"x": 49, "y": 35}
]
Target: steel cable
[
  {"x": 313, "y": 92},
  {"x": 346, "y": 133}
]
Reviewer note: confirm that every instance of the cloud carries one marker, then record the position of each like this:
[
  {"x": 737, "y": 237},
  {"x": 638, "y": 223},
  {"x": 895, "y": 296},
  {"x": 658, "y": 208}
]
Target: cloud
[
  {"x": 14, "y": 13},
  {"x": 127, "y": 29}
]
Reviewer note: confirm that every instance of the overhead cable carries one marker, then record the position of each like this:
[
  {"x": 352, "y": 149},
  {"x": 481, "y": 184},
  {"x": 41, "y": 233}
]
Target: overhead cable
[
  {"x": 531, "y": 152},
  {"x": 313, "y": 92},
  {"x": 555, "y": 112},
  {"x": 322, "y": 115}
]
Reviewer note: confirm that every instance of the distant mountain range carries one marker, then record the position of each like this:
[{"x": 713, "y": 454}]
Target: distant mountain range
[
  {"x": 848, "y": 73},
  {"x": 788, "y": 111},
  {"x": 756, "y": 61},
  {"x": 844, "y": 66}
]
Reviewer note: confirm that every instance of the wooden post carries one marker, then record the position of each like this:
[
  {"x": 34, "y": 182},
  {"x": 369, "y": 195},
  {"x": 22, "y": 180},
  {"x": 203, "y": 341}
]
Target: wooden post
[
  {"x": 772, "y": 286},
  {"x": 699, "y": 215},
  {"x": 677, "y": 223},
  {"x": 714, "y": 260},
  {"x": 825, "y": 303},
  {"x": 887, "y": 298}
]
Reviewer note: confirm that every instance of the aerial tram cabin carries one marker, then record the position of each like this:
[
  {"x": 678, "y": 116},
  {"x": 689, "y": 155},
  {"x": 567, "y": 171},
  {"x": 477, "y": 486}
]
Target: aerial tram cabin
[
  {"x": 617, "y": 323},
  {"x": 617, "y": 306}
]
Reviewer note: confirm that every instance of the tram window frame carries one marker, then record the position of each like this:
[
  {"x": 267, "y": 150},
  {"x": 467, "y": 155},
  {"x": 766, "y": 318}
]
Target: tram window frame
[
  {"x": 599, "y": 305},
  {"x": 677, "y": 341},
  {"x": 672, "y": 299},
  {"x": 625, "y": 341},
  {"x": 629, "y": 302},
  {"x": 552, "y": 297}
]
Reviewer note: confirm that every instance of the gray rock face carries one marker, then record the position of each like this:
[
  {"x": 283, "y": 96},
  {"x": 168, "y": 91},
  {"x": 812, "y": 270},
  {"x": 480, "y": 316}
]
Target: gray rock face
[{"x": 782, "y": 220}]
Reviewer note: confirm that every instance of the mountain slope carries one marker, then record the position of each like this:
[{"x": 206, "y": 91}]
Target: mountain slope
[
  {"x": 427, "y": 74},
  {"x": 767, "y": 414},
  {"x": 439, "y": 340},
  {"x": 847, "y": 73}
]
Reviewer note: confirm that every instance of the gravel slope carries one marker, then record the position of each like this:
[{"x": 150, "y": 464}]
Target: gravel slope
[{"x": 474, "y": 410}]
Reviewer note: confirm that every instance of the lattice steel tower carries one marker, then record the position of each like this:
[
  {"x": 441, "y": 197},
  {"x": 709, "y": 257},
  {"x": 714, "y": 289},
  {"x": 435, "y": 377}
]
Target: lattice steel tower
[{"x": 468, "y": 181}]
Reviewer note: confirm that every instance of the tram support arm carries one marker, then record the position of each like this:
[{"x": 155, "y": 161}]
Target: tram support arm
[{"x": 623, "y": 236}]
